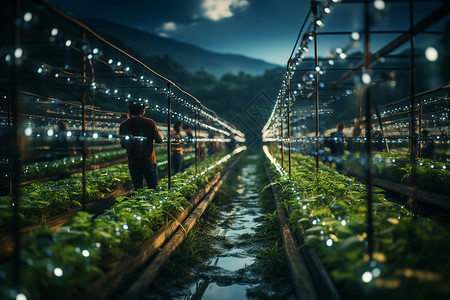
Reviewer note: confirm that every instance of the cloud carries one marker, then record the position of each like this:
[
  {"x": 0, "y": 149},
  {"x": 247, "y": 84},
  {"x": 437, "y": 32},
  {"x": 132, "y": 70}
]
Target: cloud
[
  {"x": 220, "y": 9},
  {"x": 169, "y": 26}
]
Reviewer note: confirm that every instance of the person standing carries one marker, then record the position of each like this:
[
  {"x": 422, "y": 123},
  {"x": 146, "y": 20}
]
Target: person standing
[
  {"x": 137, "y": 136},
  {"x": 177, "y": 149}
]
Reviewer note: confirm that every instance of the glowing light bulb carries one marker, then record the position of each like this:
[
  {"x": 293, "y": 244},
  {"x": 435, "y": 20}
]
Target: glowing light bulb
[
  {"x": 27, "y": 17},
  {"x": 329, "y": 242},
  {"x": 119, "y": 64},
  {"x": 367, "y": 277},
  {"x": 58, "y": 272},
  {"x": 85, "y": 253},
  {"x": 69, "y": 133},
  {"x": 327, "y": 10},
  {"x": 18, "y": 53},
  {"x": 110, "y": 61},
  {"x": 319, "y": 23},
  {"x": 366, "y": 79},
  {"x": 21, "y": 296},
  {"x": 355, "y": 36},
  {"x": 110, "y": 136},
  {"x": 90, "y": 56},
  {"x": 95, "y": 51},
  {"x": 343, "y": 55},
  {"x": 431, "y": 54},
  {"x": 68, "y": 43},
  {"x": 50, "y": 132},
  {"x": 95, "y": 135},
  {"x": 343, "y": 223},
  {"x": 54, "y": 32},
  {"x": 331, "y": 62},
  {"x": 28, "y": 131},
  {"x": 379, "y": 4}
]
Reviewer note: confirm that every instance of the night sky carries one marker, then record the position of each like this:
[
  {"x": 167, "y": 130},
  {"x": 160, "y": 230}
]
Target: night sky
[{"x": 264, "y": 29}]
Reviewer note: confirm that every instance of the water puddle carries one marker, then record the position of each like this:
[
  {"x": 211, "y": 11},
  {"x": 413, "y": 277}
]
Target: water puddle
[
  {"x": 233, "y": 263},
  {"x": 231, "y": 273}
]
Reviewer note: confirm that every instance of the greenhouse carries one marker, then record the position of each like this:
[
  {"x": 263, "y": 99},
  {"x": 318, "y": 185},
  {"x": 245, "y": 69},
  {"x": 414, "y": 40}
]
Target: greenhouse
[{"x": 127, "y": 174}]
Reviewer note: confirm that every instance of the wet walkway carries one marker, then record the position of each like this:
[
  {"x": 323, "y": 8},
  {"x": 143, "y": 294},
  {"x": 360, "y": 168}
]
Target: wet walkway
[{"x": 232, "y": 273}]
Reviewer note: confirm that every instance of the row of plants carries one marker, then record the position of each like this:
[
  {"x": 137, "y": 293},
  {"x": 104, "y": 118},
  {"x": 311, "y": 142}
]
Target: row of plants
[
  {"x": 62, "y": 166},
  {"x": 397, "y": 166},
  {"x": 40, "y": 201},
  {"x": 410, "y": 257},
  {"x": 65, "y": 263}
]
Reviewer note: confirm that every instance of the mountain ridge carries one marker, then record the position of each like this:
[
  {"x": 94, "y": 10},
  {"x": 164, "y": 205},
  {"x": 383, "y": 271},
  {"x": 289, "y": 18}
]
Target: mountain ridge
[{"x": 194, "y": 58}]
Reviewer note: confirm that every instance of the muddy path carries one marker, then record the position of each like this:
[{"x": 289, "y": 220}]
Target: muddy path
[{"x": 219, "y": 259}]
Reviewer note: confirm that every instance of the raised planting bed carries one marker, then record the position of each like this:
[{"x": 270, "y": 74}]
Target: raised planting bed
[
  {"x": 410, "y": 258},
  {"x": 51, "y": 170},
  {"x": 65, "y": 263}
]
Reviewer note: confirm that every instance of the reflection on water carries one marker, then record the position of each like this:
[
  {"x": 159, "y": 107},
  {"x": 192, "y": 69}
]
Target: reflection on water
[
  {"x": 234, "y": 221},
  {"x": 232, "y": 292},
  {"x": 233, "y": 263}
]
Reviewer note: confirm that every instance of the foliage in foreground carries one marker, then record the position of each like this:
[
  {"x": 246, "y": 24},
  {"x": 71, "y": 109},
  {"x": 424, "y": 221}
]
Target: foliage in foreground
[
  {"x": 410, "y": 256},
  {"x": 66, "y": 262}
]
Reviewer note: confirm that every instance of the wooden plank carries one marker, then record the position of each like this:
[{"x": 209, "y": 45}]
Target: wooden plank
[
  {"x": 310, "y": 270},
  {"x": 137, "y": 290},
  {"x": 105, "y": 286},
  {"x": 439, "y": 200},
  {"x": 300, "y": 276}
]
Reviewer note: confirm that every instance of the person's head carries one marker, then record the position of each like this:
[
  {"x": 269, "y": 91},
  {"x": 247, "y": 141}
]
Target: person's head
[
  {"x": 340, "y": 126},
  {"x": 177, "y": 126},
  {"x": 136, "y": 108}
]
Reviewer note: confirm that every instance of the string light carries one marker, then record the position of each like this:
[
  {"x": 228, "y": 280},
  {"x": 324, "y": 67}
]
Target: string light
[
  {"x": 379, "y": 4},
  {"x": 54, "y": 32},
  {"x": 431, "y": 54},
  {"x": 27, "y": 17},
  {"x": 18, "y": 53}
]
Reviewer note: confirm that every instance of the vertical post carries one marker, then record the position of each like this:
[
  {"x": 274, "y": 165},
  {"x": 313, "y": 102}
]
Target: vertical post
[
  {"x": 169, "y": 148},
  {"x": 282, "y": 129},
  {"x": 196, "y": 138},
  {"x": 420, "y": 128},
  {"x": 14, "y": 146},
  {"x": 316, "y": 59},
  {"x": 368, "y": 126},
  {"x": 10, "y": 160},
  {"x": 289, "y": 125},
  {"x": 83, "y": 130},
  {"x": 412, "y": 130}
]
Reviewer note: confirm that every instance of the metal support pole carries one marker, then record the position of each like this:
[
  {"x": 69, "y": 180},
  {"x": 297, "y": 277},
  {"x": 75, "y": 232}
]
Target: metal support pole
[
  {"x": 420, "y": 128},
  {"x": 196, "y": 138},
  {"x": 316, "y": 58},
  {"x": 289, "y": 126},
  {"x": 83, "y": 130},
  {"x": 282, "y": 131},
  {"x": 169, "y": 147},
  {"x": 10, "y": 160},
  {"x": 368, "y": 101},
  {"x": 14, "y": 146},
  {"x": 412, "y": 129}
]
